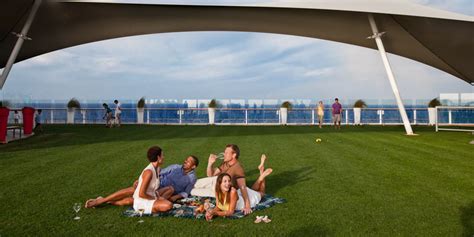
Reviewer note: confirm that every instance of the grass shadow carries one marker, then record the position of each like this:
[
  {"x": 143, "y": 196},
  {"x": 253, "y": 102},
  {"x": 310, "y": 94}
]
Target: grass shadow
[
  {"x": 279, "y": 180},
  {"x": 467, "y": 219}
]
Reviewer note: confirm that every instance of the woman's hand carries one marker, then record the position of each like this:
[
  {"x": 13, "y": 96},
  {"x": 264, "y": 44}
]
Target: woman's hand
[{"x": 209, "y": 215}]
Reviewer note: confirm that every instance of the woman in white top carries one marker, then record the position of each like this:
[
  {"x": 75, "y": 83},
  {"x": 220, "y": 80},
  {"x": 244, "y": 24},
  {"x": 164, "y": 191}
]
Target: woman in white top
[{"x": 146, "y": 195}]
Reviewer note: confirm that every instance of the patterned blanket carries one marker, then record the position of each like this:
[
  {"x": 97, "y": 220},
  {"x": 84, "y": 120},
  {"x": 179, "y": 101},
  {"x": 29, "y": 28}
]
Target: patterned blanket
[{"x": 186, "y": 208}]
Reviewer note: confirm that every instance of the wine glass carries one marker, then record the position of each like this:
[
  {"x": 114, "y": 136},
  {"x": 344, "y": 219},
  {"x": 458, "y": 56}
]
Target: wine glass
[
  {"x": 220, "y": 156},
  {"x": 140, "y": 212},
  {"x": 77, "y": 208}
]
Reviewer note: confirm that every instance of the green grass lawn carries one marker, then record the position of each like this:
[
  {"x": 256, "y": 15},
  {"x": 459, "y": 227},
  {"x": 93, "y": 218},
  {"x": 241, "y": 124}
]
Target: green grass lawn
[{"x": 357, "y": 181}]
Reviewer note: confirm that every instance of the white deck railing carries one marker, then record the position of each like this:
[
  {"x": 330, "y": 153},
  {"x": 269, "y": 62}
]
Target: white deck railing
[{"x": 244, "y": 116}]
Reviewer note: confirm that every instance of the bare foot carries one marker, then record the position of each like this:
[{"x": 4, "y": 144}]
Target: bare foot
[
  {"x": 262, "y": 162},
  {"x": 265, "y": 174},
  {"x": 92, "y": 202}
]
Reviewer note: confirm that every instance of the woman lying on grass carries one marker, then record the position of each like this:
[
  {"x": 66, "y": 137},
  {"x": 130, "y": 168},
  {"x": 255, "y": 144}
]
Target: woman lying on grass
[{"x": 228, "y": 199}]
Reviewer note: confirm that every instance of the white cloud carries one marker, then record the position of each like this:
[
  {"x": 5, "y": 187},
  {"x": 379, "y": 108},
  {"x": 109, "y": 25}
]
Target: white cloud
[
  {"x": 319, "y": 72},
  {"x": 47, "y": 59}
]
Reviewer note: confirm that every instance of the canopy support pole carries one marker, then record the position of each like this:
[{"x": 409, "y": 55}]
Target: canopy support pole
[
  {"x": 390, "y": 75},
  {"x": 21, "y": 37}
]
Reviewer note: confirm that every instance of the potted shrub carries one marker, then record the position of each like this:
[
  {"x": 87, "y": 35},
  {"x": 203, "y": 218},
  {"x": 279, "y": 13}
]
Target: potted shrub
[
  {"x": 285, "y": 106},
  {"x": 72, "y": 105},
  {"x": 432, "y": 110},
  {"x": 358, "y": 105},
  {"x": 211, "y": 108},
  {"x": 140, "y": 110}
]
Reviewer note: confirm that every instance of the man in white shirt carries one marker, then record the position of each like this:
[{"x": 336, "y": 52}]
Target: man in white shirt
[{"x": 118, "y": 112}]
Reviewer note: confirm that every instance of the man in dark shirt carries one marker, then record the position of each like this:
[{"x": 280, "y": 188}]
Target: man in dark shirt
[
  {"x": 176, "y": 182},
  {"x": 336, "y": 113}
]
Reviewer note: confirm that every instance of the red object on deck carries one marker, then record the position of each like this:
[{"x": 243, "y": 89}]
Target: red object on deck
[
  {"x": 4, "y": 112},
  {"x": 28, "y": 116}
]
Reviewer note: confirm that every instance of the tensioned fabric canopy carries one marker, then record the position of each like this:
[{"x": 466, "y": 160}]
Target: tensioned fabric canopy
[{"x": 437, "y": 38}]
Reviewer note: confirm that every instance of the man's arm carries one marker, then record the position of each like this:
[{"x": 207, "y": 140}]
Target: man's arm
[
  {"x": 243, "y": 189},
  {"x": 175, "y": 197},
  {"x": 189, "y": 187},
  {"x": 211, "y": 171},
  {"x": 169, "y": 169}
]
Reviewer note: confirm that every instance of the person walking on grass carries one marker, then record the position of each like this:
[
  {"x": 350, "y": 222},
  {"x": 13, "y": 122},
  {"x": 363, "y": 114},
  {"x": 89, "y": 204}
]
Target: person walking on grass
[
  {"x": 39, "y": 121},
  {"x": 336, "y": 113},
  {"x": 107, "y": 115},
  {"x": 118, "y": 113},
  {"x": 320, "y": 113}
]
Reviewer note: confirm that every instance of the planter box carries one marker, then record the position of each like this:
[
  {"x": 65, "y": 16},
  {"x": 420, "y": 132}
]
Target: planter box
[
  {"x": 431, "y": 116},
  {"x": 70, "y": 115},
  {"x": 212, "y": 115},
  {"x": 284, "y": 115},
  {"x": 140, "y": 115},
  {"x": 357, "y": 116}
]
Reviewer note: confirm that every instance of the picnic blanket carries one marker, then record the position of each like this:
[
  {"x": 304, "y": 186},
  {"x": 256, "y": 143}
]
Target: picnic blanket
[{"x": 186, "y": 208}]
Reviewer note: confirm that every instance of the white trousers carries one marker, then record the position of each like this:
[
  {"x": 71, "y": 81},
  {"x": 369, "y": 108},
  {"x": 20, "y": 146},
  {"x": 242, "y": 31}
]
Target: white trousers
[{"x": 205, "y": 187}]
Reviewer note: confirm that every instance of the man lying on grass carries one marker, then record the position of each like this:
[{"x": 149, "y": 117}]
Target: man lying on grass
[
  {"x": 231, "y": 166},
  {"x": 176, "y": 182},
  {"x": 229, "y": 199}
]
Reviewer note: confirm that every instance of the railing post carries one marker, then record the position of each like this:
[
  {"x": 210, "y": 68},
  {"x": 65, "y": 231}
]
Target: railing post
[
  {"x": 279, "y": 116},
  {"x": 347, "y": 117},
  {"x": 312, "y": 116},
  {"x": 380, "y": 116},
  {"x": 52, "y": 116},
  {"x": 148, "y": 116},
  {"x": 414, "y": 116},
  {"x": 180, "y": 116},
  {"x": 450, "y": 117},
  {"x": 83, "y": 112},
  {"x": 246, "y": 117}
]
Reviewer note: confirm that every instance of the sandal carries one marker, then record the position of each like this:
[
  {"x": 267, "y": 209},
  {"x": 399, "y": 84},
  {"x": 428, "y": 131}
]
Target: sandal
[
  {"x": 88, "y": 203},
  {"x": 258, "y": 219},
  {"x": 266, "y": 219}
]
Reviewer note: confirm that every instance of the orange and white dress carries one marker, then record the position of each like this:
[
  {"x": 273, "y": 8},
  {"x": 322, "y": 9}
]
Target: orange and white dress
[{"x": 320, "y": 111}]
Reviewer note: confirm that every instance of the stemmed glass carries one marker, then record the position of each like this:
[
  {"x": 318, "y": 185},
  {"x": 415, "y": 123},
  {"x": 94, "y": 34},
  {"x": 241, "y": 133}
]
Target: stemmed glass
[
  {"x": 220, "y": 156},
  {"x": 140, "y": 212},
  {"x": 77, "y": 208}
]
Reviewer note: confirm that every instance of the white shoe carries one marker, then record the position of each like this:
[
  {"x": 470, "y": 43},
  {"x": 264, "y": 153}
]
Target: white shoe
[{"x": 266, "y": 219}]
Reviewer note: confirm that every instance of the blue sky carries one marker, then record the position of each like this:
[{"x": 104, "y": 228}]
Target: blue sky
[{"x": 231, "y": 65}]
